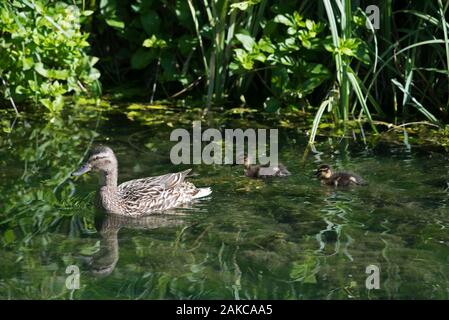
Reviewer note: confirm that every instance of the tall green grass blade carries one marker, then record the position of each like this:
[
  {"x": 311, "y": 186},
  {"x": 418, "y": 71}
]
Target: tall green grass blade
[
  {"x": 446, "y": 42},
  {"x": 386, "y": 63},
  {"x": 416, "y": 103},
  {"x": 317, "y": 119},
  {"x": 358, "y": 91},
  {"x": 198, "y": 34},
  {"x": 376, "y": 47},
  {"x": 334, "y": 33}
]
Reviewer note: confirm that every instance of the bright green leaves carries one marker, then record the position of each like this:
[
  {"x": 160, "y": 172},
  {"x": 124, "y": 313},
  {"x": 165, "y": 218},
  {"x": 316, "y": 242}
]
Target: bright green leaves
[
  {"x": 305, "y": 271},
  {"x": 143, "y": 57},
  {"x": 284, "y": 19},
  {"x": 252, "y": 51},
  {"x": 243, "y": 5},
  {"x": 108, "y": 9},
  {"x": 53, "y": 106},
  {"x": 115, "y": 23},
  {"x": 51, "y": 73},
  {"x": 154, "y": 42},
  {"x": 352, "y": 47},
  {"x": 9, "y": 237},
  {"x": 289, "y": 49},
  {"x": 246, "y": 40},
  {"x": 244, "y": 60},
  {"x": 42, "y": 53}
]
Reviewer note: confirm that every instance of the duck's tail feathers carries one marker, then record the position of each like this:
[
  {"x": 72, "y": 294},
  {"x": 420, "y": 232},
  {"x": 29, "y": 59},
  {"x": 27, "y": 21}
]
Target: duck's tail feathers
[{"x": 202, "y": 192}]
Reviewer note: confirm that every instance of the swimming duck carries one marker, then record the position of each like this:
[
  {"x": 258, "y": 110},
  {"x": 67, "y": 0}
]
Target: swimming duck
[
  {"x": 140, "y": 196},
  {"x": 264, "y": 171},
  {"x": 337, "y": 179}
]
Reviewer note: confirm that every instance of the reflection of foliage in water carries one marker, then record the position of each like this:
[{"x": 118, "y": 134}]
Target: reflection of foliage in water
[
  {"x": 36, "y": 196},
  {"x": 284, "y": 239}
]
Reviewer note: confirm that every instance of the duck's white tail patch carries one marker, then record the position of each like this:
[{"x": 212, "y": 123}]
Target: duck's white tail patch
[{"x": 202, "y": 192}]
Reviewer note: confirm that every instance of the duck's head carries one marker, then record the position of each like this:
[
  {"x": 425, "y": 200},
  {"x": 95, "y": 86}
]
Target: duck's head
[
  {"x": 324, "y": 172},
  {"x": 101, "y": 158}
]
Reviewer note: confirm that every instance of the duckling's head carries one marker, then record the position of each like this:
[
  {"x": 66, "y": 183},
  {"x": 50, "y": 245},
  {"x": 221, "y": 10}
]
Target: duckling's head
[
  {"x": 101, "y": 158},
  {"x": 245, "y": 160},
  {"x": 324, "y": 172}
]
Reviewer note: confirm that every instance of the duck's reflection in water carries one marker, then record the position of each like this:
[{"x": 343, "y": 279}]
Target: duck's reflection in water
[{"x": 104, "y": 261}]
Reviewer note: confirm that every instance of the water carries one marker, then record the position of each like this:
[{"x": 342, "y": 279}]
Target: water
[{"x": 282, "y": 239}]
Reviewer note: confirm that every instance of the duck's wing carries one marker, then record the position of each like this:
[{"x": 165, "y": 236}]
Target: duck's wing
[
  {"x": 165, "y": 182},
  {"x": 274, "y": 171},
  {"x": 348, "y": 178},
  {"x": 152, "y": 192}
]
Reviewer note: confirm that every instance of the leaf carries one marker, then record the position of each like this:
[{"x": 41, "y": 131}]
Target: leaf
[
  {"x": 246, "y": 40},
  {"x": 5, "y": 125},
  {"x": 115, "y": 23},
  {"x": 244, "y": 59},
  {"x": 94, "y": 74},
  {"x": 150, "y": 22},
  {"x": 9, "y": 236},
  {"x": 47, "y": 104},
  {"x": 265, "y": 45},
  {"x": 154, "y": 42},
  {"x": 141, "y": 58},
  {"x": 243, "y": 5},
  {"x": 282, "y": 19},
  {"x": 316, "y": 74},
  {"x": 309, "y": 24},
  {"x": 305, "y": 271},
  {"x": 39, "y": 68},
  {"x": 51, "y": 73},
  {"x": 27, "y": 63}
]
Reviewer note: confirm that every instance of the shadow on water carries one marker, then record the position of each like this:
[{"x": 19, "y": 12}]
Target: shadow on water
[{"x": 280, "y": 239}]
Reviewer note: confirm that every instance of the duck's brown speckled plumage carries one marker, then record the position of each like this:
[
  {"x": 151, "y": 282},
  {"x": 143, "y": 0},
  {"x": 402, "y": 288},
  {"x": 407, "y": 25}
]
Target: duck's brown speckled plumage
[
  {"x": 264, "y": 171},
  {"x": 139, "y": 196},
  {"x": 338, "y": 179}
]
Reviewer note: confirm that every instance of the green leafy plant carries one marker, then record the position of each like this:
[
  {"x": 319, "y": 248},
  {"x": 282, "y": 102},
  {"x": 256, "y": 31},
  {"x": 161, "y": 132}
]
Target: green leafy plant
[
  {"x": 288, "y": 49},
  {"x": 43, "y": 53}
]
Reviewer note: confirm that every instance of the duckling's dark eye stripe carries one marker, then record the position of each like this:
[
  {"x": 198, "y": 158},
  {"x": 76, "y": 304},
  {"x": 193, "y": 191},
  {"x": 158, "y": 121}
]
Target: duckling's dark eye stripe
[{"x": 98, "y": 157}]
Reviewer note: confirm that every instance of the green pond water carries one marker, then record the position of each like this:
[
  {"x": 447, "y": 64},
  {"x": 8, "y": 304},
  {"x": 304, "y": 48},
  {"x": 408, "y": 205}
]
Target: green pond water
[{"x": 281, "y": 239}]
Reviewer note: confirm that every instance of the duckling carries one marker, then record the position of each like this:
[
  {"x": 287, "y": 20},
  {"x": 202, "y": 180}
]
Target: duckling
[
  {"x": 337, "y": 179},
  {"x": 264, "y": 171}
]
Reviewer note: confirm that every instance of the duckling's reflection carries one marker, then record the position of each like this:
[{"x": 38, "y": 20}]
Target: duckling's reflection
[{"x": 104, "y": 261}]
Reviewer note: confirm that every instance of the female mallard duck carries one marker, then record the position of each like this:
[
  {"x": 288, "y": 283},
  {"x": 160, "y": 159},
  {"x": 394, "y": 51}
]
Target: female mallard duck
[
  {"x": 140, "y": 196},
  {"x": 264, "y": 171},
  {"x": 337, "y": 179}
]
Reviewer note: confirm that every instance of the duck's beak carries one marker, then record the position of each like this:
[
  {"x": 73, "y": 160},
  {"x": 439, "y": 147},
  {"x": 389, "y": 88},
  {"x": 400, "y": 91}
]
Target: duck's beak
[
  {"x": 85, "y": 168},
  {"x": 317, "y": 173}
]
